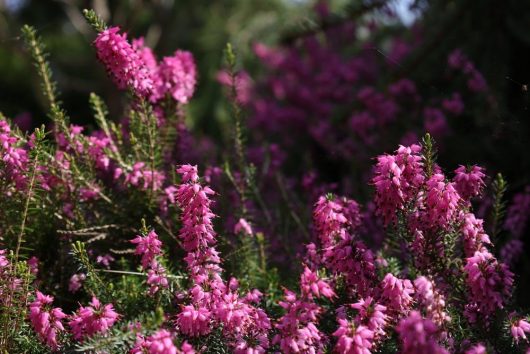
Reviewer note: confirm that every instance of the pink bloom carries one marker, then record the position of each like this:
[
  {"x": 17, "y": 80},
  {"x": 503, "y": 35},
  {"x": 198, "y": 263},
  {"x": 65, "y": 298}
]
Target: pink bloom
[
  {"x": 148, "y": 247},
  {"x": 371, "y": 314},
  {"x": 312, "y": 285},
  {"x": 396, "y": 294},
  {"x": 418, "y": 335},
  {"x": 46, "y": 321},
  {"x": 353, "y": 339},
  {"x": 179, "y": 76},
  {"x": 469, "y": 182},
  {"x": 244, "y": 227},
  {"x": 160, "y": 342},
  {"x": 145, "y": 53},
  {"x": 14, "y": 159},
  {"x": 397, "y": 180},
  {"x": 197, "y": 229},
  {"x": 475, "y": 238},
  {"x": 335, "y": 220},
  {"x": 194, "y": 321},
  {"x": 519, "y": 328},
  {"x": 105, "y": 260},
  {"x": 92, "y": 319},
  {"x": 156, "y": 278},
  {"x": 489, "y": 283},
  {"x": 76, "y": 282},
  {"x": 441, "y": 202},
  {"x": 125, "y": 66},
  {"x": 431, "y": 300}
]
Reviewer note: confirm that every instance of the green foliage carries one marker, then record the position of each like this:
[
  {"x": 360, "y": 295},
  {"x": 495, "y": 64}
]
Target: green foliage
[
  {"x": 498, "y": 209},
  {"x": 94, "y": 20}
]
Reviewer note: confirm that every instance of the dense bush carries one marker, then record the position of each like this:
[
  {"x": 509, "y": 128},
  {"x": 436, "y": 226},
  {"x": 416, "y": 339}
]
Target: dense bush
[{"x": 141, "y": 237}]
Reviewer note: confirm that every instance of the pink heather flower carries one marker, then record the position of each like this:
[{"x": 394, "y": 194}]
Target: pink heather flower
[
  {"x": 489, "y": 283},
  {"x": 148, "y": 247},
  {"x": 142, "y": 177},
  {"x": 396, "y": 180},
  {"x": 14, "y": 159},
  {"x": 518, "y": 213},
  {"x": 475, "y": 238},
  {"x": 353, "y": 339},
  {"x": 431, "y": 300},
  {"x": 236, "y": 315},
  {"x": 469, "y": 182},
  {"x": 418, "y": 335},
  {"x": 156, "y": 278},
  {"x": 477, "y": 349},
  {"x": 312, "y": 285},
  {"x": 396, "y": 294},
  {"x": 519, "y": 328},
  {"x": 244, "y": 227},
  {"x": 441, "y": 202},
  {"x": 197, "y": 229},
  {"x": 160, "y": 342},
  {"x": 145, "y": 53},
  {"x": 297, "y": 330},
  {"x": 372, "y": 315},
  {"x": 453, "y": 104},
  {"x": 76, "y": 282},
  {"x": 105, "y": 260},
  {"x": 335, "y": 220},
  {"x": 46, "y": 321},
  {"x": 92, "y": 319},
  {"x": 179, "y": 76},
  {"x": 125, "y": 66},
  {"x": 194, "y": 321}
]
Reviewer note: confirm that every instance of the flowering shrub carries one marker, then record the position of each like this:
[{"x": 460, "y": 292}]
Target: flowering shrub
[{"x": 146, "y": 252}]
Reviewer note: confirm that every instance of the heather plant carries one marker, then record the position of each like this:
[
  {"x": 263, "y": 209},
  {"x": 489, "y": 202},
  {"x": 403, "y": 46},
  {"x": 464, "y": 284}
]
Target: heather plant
[{"x": 133, "y": 238}]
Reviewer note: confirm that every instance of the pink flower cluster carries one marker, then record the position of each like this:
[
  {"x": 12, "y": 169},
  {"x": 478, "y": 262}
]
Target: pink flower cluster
[
  {"x": 469, "y": 182},
  {"x": 297, "y": 328},
  {"x": 397, "y": 180},
  {"x": 397, "y": 294},
  {"x": 431, "y": 300},
  {"x": 46, "y": 321},
  {"x": 135, "y": 66},
  {"x": 14, "y": 159},
  {"x": 519, "y": 328},
  {"x": 126, "y": 67},
  {"x": 441, "y": 203},
  {"x": 93, "y": 319},
  {"x": 149, "y": 247},
  {"x": 489, "y": 282},
  {"x": 213, "y": 301},
  {"x": 160, "y": 342},
  {"x": 361, "y": 334},
  {"x": 419, "y": 335},
  {"x": 335, "y": 220}
]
